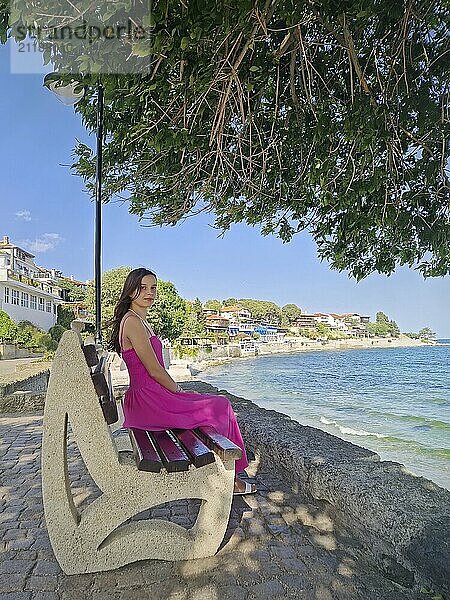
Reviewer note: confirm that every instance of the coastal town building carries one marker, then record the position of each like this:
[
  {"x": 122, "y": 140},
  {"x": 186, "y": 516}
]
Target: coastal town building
[
  {"x": 28, "y": 292},
  {"x": 216, "y": 324},
  {"x": 352, "y": 324},
  {"x": 305, "y": 320},
  {"x": 236, "y": 313}
]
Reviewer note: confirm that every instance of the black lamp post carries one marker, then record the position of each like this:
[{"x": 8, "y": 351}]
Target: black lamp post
[{"x": 69, "y": 94}]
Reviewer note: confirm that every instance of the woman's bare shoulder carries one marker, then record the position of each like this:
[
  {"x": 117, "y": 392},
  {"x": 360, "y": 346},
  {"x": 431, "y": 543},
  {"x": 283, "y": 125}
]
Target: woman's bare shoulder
[{"x": 130, "y": 319}]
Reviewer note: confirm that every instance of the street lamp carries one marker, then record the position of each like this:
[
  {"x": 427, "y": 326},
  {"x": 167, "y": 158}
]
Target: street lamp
[{"x": 69, "y": 94}]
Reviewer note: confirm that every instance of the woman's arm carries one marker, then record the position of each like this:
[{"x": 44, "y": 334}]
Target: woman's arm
[{"x": 138, "y": 337}]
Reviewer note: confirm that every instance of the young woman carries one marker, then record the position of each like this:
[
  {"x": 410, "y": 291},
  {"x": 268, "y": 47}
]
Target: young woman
[{"x": 154, "y": 401}]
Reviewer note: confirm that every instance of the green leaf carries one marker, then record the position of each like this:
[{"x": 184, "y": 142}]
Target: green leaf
[
  {"x": 141, "y": 49},
  {"x": 149, "y": 20},
  {"x": 184, "y": 43}
]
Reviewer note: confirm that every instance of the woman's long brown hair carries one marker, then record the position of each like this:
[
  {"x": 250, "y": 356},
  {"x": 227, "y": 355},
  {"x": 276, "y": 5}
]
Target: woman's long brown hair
[{"x": 130, "y": 290}]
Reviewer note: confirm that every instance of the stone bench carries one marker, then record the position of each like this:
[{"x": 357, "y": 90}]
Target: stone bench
[{"x": 165, "y": 467}]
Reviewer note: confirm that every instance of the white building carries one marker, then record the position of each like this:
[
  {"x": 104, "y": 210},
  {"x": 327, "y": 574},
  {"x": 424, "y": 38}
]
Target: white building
[
  {"x": 236, "y": 314},
  {"x": 27, "y": 292}
]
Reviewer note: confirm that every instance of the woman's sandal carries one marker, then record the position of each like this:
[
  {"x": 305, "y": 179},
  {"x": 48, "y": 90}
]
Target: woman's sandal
[{"x": 249, "y": 489}]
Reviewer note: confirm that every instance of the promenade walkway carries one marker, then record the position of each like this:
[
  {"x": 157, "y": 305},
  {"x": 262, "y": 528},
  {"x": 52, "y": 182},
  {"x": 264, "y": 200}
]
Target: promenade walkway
[{"x": 278, "y": 545}]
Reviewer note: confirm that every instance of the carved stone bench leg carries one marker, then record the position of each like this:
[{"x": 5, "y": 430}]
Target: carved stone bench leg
[{"x": 101, "y": 537}]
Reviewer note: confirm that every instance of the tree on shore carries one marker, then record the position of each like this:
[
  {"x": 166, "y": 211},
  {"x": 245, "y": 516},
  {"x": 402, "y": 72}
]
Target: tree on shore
[
  {"x": 290, "y": 313},
  {"x": 112, "y": 284},
  {"x": 229, "y": 302},
  {"x": 213, "y": 304},
  {"x": 168, "y": 314},
  {"x": 194, "y": 324},
  {"x": 75, "y": 292},
  {"x": 262, "y": 310},
  {"x": 383, "y": 326},
  {"x": 329, "y": 117},
  {"x": 426, "y": 334},
  {"x": 8, "y": 329},
  {"x": 381, "y": 317},
  {"x": 65, "y": 317}
]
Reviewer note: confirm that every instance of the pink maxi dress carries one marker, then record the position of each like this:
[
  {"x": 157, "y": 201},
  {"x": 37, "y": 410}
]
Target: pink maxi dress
[{"x": 149, "y": 405}]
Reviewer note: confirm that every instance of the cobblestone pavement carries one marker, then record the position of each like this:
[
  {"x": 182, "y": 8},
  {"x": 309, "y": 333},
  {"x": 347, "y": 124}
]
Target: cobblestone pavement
[{"x": 277, "y": 546}]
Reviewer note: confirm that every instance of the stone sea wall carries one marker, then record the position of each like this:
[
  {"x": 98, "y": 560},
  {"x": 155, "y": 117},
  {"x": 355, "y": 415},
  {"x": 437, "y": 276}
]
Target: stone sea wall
[
  {"x": 23, "y": 393},
  {"x": 221, "y": 354},
  {"x": 402, "y": 520}
]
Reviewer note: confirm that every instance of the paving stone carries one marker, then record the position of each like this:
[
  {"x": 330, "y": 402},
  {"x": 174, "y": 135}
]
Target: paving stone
[
  {"x": 8, "y": 526},
  {"x": 232, "y": 592},
  {"x": 25, "y": 554},
  {"x": 15, "y": 595},
  {"x": 267, "y": 589},
  {"x": 14, "y": 534},
  {"x": 20, "y": 544},
  {"x": 46, "y": 596},
  {"x": 41, "y": 543},
  {"x": 46, "y": 567},
  {"x": 77, "y": 582},
  {"x": 13, "y": 582},
  {"x": 292, "y": 565},
  {"x": 76, "y": 595},
  {"x": 42, "y": 583},
  {"x": 16, "y": 566}
]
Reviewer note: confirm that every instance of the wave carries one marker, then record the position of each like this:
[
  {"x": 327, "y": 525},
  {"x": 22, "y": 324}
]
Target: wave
[
  {"x": 397, "y": 441},
  {"x": 350, "y": 431}
]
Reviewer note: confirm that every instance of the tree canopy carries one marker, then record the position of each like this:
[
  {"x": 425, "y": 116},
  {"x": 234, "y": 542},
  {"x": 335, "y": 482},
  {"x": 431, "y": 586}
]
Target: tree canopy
[
  {"x": 291, "y": 312},
  {"x": 194, "y": 324},
  {"x": 262, "y": 310},
  {"x": 427, "y": 333},
  {"x": 75, "y": 292},
  {"x": 169, "y": 313},
  {"x": 383, "y": 326},
  {"x": 213, "y": 304},
  {"x": 330, "y": 117},
  {"x": 8, "y": 329}
]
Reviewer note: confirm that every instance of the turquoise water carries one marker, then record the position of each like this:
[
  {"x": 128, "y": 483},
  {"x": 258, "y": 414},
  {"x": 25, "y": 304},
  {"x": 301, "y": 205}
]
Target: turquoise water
[{"x": 393, "y": 401}]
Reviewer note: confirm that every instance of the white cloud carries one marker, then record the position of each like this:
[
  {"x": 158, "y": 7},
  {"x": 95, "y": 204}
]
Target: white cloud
[
  {"x": 24, "y": 214},
  {"x": 47, "y": 241}
]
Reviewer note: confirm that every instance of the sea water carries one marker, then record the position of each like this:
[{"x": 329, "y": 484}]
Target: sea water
[{"x": 395, "y": 402}]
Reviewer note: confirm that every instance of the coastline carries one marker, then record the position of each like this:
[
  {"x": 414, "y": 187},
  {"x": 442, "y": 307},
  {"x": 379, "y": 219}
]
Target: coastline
[{"x": 191, "y": 369}]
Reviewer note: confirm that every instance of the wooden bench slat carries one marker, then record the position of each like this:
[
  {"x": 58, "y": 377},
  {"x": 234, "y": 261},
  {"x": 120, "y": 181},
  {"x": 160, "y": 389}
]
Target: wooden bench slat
[
  {"x": 200, "y": 454},
  {"x": 90, "y": 354},
  {"x": 221, "y": 445},
  {"x": 101, "y": 378},
  {"x": 145, "y": 454},
  {"x": 108, "y": 402},
  {"x": 173, "y": 457}
]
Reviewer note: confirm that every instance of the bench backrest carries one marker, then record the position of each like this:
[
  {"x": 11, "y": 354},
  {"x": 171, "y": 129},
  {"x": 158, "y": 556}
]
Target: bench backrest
[{"x": 101, "y": 378}]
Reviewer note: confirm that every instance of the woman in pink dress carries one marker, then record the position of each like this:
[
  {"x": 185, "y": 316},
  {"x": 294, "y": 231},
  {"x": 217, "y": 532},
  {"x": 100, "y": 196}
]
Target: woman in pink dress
[{"x": 154, "y": 401}]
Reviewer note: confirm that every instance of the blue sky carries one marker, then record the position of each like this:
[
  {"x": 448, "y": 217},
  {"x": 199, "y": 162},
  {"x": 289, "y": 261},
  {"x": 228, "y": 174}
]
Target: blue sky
[{"x": 44, "y": 208}]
